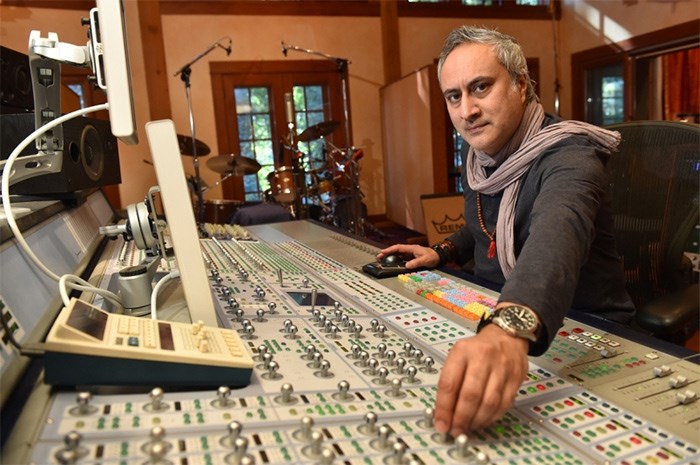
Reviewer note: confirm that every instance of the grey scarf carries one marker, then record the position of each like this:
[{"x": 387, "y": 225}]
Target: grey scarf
[{"x": 513, "y": 161}]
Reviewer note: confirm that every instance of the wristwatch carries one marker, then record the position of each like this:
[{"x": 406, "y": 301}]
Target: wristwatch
[{"x": 515, "y": 320}]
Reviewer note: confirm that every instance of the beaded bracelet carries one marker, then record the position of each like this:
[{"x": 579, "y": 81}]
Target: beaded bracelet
[{"x": 446, "y": 251}]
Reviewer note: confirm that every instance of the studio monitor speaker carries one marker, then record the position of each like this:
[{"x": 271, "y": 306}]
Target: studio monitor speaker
[
  {"x": 16, "y": 94},
  {"x": 90, "y": 156}
]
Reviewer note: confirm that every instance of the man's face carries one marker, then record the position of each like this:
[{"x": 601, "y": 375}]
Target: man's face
[{"x": 484, "y": 105}]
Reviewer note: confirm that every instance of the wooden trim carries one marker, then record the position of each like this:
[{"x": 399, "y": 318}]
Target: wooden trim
[
  {"x": 154, "y": 52},
  {"x": 360, "y": 8},
  {"x": 441, "y": 130},
  {"x": 390, "y": 42}
]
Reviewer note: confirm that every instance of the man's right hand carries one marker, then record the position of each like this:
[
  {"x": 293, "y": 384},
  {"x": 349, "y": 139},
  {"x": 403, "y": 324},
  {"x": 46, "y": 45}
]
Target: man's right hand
[{"x": 422, "y": 256}]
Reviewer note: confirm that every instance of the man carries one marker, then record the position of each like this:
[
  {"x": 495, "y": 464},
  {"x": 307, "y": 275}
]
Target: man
[{"x": 537, "y": 222}]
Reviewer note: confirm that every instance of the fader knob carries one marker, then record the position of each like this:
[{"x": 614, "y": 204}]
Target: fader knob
[
  {"x": 398, "y": 454},
  {"x": 369, "y": 427},
  {"x": 411, "y": 373},
  {"x": 343, "y": 392},
  {"x": 83, "y": 407},
  {"x": 262, "y": 350},
  {"x": 156, "y": 404},
  {"x": 286, "y": 396},
  {"x": 303, "y": 434},
  {"x": 396, "y": 389},
  {"x": 223, "y": 398},
  {"x": 272, "y": 307},
  {"x": 234, "y": 430},
  {"x": 381, "y": 442},
  {"x": 427, "y": 421},
  {"x": 686, "y": 397},
  {"x": 314, "y": 449}
]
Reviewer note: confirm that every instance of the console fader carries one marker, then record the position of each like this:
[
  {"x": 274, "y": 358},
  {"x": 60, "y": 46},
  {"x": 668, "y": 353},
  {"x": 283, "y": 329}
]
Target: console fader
[{"x": 347, "y": 370}]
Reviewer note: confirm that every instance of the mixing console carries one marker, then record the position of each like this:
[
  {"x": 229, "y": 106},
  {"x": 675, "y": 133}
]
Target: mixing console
[{"x": 346, "y": 371}]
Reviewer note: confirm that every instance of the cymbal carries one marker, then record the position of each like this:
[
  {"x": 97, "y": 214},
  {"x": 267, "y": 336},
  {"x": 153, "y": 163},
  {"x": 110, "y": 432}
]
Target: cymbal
[
  {"x": 318, "y": 130},
  {"x": 233, "y": 164},
  {"x": 185, "y": 143}
]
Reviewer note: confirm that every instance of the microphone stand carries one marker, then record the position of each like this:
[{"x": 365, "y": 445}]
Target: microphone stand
[
  {"x": 357, "y": 220},
  {"x": 185, "y": 73}
]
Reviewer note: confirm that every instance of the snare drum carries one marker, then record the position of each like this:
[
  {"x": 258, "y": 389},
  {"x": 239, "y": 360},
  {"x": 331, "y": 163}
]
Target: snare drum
[
  {"x": 282, "y": 184},
  {"x": 220, "y": 211}
]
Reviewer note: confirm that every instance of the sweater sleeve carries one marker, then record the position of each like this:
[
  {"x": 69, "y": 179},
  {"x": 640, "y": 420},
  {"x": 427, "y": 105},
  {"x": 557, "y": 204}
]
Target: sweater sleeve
[{"x": 561, "y": 194}]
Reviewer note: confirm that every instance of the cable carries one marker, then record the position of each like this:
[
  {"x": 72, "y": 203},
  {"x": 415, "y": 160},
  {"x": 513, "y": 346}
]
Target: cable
[
  {"x": 79, "y": 284},
  {"x": 6, "y": 173},
  {"x": 161, "y": 282}
]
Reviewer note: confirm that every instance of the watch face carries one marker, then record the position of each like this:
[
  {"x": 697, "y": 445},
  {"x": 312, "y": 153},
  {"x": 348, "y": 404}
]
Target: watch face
[{"x": 519, "y": 318}]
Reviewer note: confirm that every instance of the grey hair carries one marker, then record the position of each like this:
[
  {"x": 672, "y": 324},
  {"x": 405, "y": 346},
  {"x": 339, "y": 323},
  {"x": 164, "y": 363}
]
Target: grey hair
[{"x": 509, "y": 53}]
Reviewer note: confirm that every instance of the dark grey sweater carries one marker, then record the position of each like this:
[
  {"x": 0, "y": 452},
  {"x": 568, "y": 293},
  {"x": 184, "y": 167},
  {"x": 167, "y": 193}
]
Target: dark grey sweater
[{"x": 564, "y": 243}]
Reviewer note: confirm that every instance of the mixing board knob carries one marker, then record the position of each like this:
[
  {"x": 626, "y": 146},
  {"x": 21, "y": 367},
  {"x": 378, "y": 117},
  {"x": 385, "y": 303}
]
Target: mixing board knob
[
  {"x": 260, "y": 315},
  {"x": 226, "y": 291},
  {"x": 345, "y": 321},
  {"x": 156, "y": 404},
  {"x": 354, "y": 351},
  {"x": 411, "y": 373},
  {"x": 72, "y": 451},
  {"x": 286, "y": 396},
  {"x": 362, "y": 359},
  {"x": 234, "y": 429},
  {"x": 381, "y": 350},
  {"x": 687, "y": 397},
  {"x": 315, "y": 314},
  {"x": 197, "y": 327},
  {"x": 240, "y": 314},
  {"x": 66, "y": 457},
  {"x": 248, "y": 332},
  {"x": 407, "y": 349},
  {"x": 428, "y": 365},
  {"x": 678, "y": 382},
  {"x": 321, "y": 321},
  {"x": 369, "y": 427},
  {"x": 156, "y": 453},
  {"x": 272, "y": 369},
  {"x": 244, "y": 275},
  {"x": 417, "y": 355},
  {"x": 314, "y": 449},
  {"x": 260, "y": 293},
  {"x": 373, "y": 325},
  {"x": 372, "y": 365},
  {"x": 427, "y": 421},
  {"x": 266, "y": 360},
  {"x": 338, "y": 314},
  {"x": 383, "y": 373},
  {"x": 356, "y": 330},
  {"x": 608, "y": 353},
  {"x": 157, "y": 446},
  {"x": 262, "y": 350},
  {"x": 396, "y": 388},
  {"x": 239, "y": 456},
  {"x": 381, "y": 442},
  {"x": 336, "y": 305},
  {"x": 232, "y": 303},
  {"x": 327, "y": 327},
  {"x": 660, "y": 372},
  {"x": 462, "y": 452},
  {"x": 272, "y": 308},
  {"x": 400, "y": 365},
  {"x": 310, "y": 351},
  {"x": 398, "y": 454},
  {"x": 324, "y": 371},
  {"x": 305, "y": 282},
  {"x": 327, "y": 456},
  {"x": 280, "y": 278},
  {"x": 223, "y": 398},
  {"x": 292, "y": 332},
  {"x": 83, "y": 407},
  {"x": 303, "y": 434},
  {"x": 343, "y": 393},
  {"x": 390, "y": 357},
  {"x": 316, "y": 360},
  {"x": 334, "y": 331},
  {"x": 381, "y": 329},
  {"x": 203, "y": 346}
]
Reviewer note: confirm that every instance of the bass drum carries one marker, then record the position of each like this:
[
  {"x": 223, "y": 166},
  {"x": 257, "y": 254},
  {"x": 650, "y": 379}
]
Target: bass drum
[
  {"x": 220, "y": 211},
  {"x": 282, "y": 185}
]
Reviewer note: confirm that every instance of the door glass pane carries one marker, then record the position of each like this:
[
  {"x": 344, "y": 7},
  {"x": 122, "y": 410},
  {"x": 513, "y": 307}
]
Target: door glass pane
[
  {"x": 605, "y": 95},
  {"x": 255, "y": 136},
  {"x": 309, "y": 110}
]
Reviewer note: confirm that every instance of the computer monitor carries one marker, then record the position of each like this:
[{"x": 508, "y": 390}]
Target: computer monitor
[{"x": 110, "y": 55}]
